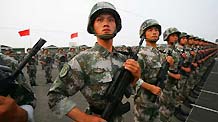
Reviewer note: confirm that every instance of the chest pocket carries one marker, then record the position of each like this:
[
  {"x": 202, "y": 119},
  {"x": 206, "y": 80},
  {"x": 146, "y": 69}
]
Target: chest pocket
[
  {"x": 101, "y": 75},
  {"x": 153, "y": 68}
]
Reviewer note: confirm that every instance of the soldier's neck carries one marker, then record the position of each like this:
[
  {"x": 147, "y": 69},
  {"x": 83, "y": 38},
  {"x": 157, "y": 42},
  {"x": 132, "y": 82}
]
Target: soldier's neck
[
  {"x": 107, "y": 44},
  {"x": 152, "y": 44}
]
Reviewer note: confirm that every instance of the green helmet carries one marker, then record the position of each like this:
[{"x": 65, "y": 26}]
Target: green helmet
[
  {"x": 170, "y": 31},
  {"x": 191, "y": 37},
  {"x": 103, "y": 7},
  {"x": 183, "y": 34},
  {"x": 148, "y": 23}
]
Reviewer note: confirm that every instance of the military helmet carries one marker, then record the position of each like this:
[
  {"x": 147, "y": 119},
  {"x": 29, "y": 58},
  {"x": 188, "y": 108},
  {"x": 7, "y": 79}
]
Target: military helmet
[
  {"x": 183, "y": 34},
  {"x": 191, "y": 37},
  {"x": 170, "y": 31},
  {"x": 103, "y": 7},
  {"x": 149, "y": 23}
]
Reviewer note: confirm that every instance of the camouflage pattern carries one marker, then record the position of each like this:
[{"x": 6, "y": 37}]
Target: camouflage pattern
[
  {"x": 150, "y": 60},
  {"x": 90, "y": 72},
  {"x": 47, "y": 62},
  {"x": 61, "y": 58},
  {"x": 183, "y": 34},
  {"x": 149, "y": 23},
  {"x": 170, "y": 31},
  {"x": 181, "y": 93},
  {"x": 23, "y": 94},
  {"x": 168, "y": 98},
  {"x": 72, "y": 52},
  {"x": 31, "y": 70}
]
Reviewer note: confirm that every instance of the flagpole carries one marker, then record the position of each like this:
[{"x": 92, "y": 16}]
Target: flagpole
[{"x": 30, "y": 42}]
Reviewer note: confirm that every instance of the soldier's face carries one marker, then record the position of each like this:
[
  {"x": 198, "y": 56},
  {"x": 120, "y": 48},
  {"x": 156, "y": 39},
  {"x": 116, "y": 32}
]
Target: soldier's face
[
  {"x": 173, "y": 38},
  {"x": 152, "y": 34},
  {"x": 104, "y": 24},
  {"x": 190, "y": 41},
  {"x": 183, "y": 40},
  {"x": 46, "y": 51}
]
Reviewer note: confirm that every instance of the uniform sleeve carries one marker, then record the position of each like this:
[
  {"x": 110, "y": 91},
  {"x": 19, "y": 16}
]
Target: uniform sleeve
[
  {"x": 68, "y": 83},
  {"x": 23, "y": 93},
  {"x": 142, "y": 65}
]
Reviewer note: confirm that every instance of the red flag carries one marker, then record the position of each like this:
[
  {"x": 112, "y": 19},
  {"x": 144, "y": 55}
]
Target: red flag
[
  {"x": 24, "y": 32},
  {"x": 73, "y": 35}
]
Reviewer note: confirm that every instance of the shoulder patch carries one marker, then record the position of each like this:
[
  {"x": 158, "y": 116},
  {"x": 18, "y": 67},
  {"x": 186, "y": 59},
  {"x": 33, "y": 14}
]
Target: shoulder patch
[{"x": 64, "y": 70}]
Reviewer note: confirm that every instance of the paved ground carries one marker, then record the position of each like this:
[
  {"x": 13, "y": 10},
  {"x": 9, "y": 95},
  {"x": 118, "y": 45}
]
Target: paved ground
[
  {"x": 42, "y": 111},
  {"x": 206, "y": 107}
]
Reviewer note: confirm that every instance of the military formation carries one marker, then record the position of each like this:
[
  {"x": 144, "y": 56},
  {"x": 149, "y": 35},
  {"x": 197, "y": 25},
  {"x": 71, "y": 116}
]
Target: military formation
[{"x": 166, "y": 79}]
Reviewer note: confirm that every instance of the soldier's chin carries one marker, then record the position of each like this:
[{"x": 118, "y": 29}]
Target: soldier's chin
[{"x": 154, "y": 40}]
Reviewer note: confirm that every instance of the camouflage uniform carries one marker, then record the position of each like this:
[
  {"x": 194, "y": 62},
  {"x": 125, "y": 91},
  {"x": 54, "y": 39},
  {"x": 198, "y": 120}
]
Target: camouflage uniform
[
  {"x": 61, "y": 59},
  {"x": 150, "y": 60},
  {"x": 185, "y": 62},
  {"x": 168, "y": 99},
  {"x": 144, "y": 109},
  {"x": 31, "y": 70},
  {"x": 91, "y": 72},
  {"x": 23, "y": 94},
  {"x": 72, "y": 52},
  {"x": 47, "y": 62}
]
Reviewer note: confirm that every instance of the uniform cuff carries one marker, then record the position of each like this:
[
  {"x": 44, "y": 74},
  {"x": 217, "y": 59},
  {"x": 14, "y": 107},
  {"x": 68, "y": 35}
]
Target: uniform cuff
[
  {"x": 63, "y": 107},
  {"x": 139, "y": 83},
  {"x": 29, "y": 110}
]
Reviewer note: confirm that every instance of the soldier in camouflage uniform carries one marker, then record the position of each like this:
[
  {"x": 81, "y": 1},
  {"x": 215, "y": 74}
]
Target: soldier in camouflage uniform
[
  {"x": 18, "y": 105},
  {"x": 167, "y": 100},
  {"x": 72, "y": 52},
  {"x": 8, "y": 52},
  {"x": 92, "y": 70},
  {"x": 46, "y": 60},
  {"x": 32, "y": 69},
  {"x": 60, "y": 58},
  {"x": 150, "y": 60},
  {"x": 184, "y": 69}
]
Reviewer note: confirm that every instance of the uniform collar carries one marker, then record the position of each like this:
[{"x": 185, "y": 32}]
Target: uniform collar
[{"x": 104, "y": 52}]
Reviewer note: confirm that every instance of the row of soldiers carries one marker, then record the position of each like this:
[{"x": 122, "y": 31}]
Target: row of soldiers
[
  {"x": 185, "y": 62},
  {"x": 173, "y": 73},
  {"x": 192, "y": 57},
  {"x": 47, "y": 59}
]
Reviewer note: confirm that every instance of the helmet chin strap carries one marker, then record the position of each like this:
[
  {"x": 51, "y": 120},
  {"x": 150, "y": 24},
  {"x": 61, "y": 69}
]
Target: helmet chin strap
[{"x": 106, "y": 36}]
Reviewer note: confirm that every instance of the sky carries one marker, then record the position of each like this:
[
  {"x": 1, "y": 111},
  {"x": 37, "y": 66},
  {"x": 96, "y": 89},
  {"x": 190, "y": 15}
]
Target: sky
[{"x": 56, "y": 20}]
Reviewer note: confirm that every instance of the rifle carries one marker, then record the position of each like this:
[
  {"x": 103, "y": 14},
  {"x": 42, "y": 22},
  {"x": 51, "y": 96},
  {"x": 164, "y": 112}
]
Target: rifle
[
  {"x": 161, "y": 76},
  {"x": 117, "y": 90},
  {"x": 8, "y": 85}
]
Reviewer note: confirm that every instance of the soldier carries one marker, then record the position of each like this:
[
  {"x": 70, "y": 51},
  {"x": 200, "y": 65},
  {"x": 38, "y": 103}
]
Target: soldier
[
  {"x": 83, "y": 48},
  {"x": 18, "y": 105},
  {"x": 72, "y": 52},
  {"x": 184, "y": 69},
  {"x": 92, "y": 70},
  {"x": 167, "y": 100},
  {"x": 150, "y": 60},
  {"x": 46, "y": 60},
  {"x": 32, "y": 69},
  {"x": 8, "y": 52},
  {"x": 60, "y": 58}
]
